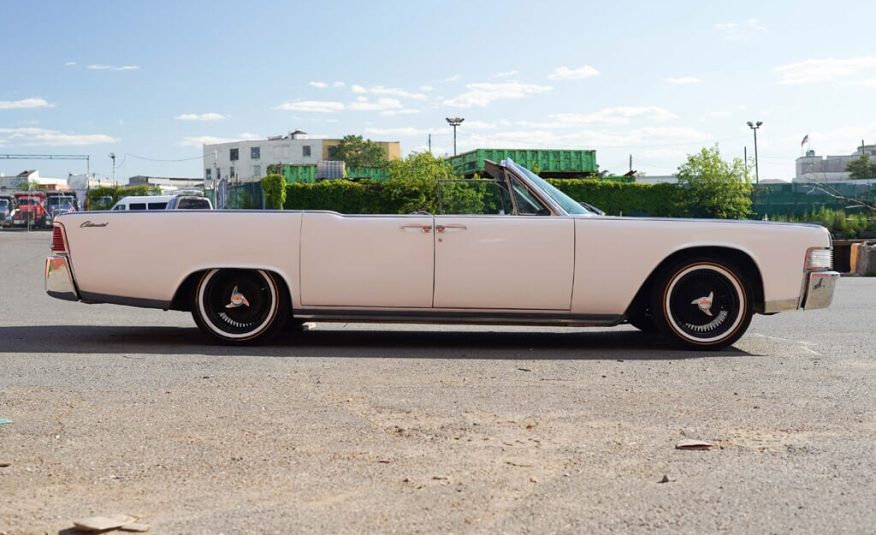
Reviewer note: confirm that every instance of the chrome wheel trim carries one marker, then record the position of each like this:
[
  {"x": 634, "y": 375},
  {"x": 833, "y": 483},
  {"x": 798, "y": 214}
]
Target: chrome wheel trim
[
  {"x": 737, "y": 287},
  {"x": 257, "y": 330}
]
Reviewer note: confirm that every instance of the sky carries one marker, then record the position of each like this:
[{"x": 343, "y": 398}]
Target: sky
[{"x": 151, "y": 81}]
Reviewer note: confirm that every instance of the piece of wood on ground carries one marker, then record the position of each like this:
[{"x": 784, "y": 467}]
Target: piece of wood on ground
[
  {"x": 136, "y": 527},
  {"x": 693, "y": 444},
  {"x": 103, "y": 523}
]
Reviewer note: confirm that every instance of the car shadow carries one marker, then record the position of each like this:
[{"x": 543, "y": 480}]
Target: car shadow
[{"x": 586, "y": 344}]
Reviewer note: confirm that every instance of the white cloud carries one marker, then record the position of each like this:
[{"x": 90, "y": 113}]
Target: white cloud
[
  {"x": 44, "y": 136},
  {"x": 737, "y": 31},
  {"x": 338, "y": 84},
  {"x": 403, "y": 111},
  {"x": 484, "y": 93},
  {"x": 315, "y": 106},
  {"x": 568, "y": 73},
  {"x": 426, "y": 88},
  {"x": 823, "y": 70},
  {"x": 210, "y": 116},
  {"x": 70, "y": 64},
  {"x": 619, "y": 115},
  {"x": 683, "y": 80},
  {"x": 506, "y": 74},
  {"x": 103, "y": 67},
  {"x": 381, "y": 104},
  {"x": 318, "y": 85},
  {"x": 388, "y": 91},
  {"x": 453, "y": 78},
  {"x": 719, "y": 114},
  {"x": 25, "y": 103}
]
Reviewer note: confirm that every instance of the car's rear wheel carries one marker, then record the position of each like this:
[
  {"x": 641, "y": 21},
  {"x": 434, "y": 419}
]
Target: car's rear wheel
[
  {"x": 702, "y": 303},
  {"x": 239, "y": 306}
]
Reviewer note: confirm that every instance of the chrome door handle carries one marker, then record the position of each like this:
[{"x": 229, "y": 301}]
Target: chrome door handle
[
  {"x": 425, "y": 229},
  {"x": 450, "y": 228}
]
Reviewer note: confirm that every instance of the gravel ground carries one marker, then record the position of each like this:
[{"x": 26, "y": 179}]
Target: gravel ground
[{"x": 422, "y": 429}]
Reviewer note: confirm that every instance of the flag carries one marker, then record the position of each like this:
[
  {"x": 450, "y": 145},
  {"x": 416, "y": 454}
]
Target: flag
[{"x": 805, "y": 140}]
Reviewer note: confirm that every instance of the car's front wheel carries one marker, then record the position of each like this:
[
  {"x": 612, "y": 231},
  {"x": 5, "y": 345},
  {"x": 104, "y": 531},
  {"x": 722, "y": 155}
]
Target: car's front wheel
[
  {"x": 702, "y": 303},
  {"x": 239, "y": 305}
]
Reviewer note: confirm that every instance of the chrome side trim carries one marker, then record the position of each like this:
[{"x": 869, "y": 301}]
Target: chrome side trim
[
  {"x": 819, "y": 289},
  {"x": 59, "y": 278},
  {"x": 456, "y": 317}
]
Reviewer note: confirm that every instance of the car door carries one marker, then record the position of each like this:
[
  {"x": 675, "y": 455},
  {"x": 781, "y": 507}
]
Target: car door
[
  {"x": 523, "y": 261},
  {"x": 366, "y": 261}
]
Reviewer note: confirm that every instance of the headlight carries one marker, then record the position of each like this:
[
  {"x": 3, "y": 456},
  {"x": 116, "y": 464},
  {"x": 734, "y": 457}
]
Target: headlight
[{"x": 818, "y": 259}]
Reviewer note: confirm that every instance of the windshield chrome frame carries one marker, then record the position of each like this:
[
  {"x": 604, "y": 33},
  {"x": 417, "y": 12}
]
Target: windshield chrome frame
[{"x": 511, "y": 167}]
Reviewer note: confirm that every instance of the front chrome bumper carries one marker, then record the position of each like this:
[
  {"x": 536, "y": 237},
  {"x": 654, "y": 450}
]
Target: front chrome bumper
[
  {"x": 819, "y": 289},
  {"x": 59, "y": 278}
]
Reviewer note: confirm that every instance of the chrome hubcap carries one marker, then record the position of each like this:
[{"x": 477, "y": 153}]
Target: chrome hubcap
[
  {"x": 705, "y": 303},
  {"x": 237, "y": 299}
]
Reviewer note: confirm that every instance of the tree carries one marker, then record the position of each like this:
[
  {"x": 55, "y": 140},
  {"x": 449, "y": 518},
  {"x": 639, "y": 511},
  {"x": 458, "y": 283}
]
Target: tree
[
  {"x": 274, "y": 187},
  {"x": 714, "y": 187},
  {"x": 414, "y": 181},
  {"x": 358, "y": 152},
  {"x": 861, "y": 167}
]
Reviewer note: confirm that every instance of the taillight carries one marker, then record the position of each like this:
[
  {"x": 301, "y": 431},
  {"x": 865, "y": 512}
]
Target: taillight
[{"x": 59, "y": 244}]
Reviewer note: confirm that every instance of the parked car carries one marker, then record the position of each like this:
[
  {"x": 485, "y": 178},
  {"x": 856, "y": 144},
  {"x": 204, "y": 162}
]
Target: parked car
[
  {"x": 7, "y": 208},
  {"x": 189, "y": 202},
  {"x": 60, "y": 203},
  {"x": 142, "y": 202},
  {"x": 30, "y": 210},
  {"x": 524, "y": 253}
]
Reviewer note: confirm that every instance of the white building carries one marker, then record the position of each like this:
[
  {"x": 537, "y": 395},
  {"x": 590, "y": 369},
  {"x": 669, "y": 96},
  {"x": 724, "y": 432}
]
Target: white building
[
  {"x": 248, "y": 160},
  {"x": 33, "y": 176},
  {"x": 813, "y": 168}
]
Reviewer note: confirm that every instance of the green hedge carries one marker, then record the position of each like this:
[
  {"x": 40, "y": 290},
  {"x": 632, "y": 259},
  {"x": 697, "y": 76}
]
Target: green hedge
[
  {"x": 342, "y": 196},
  {"x": 632, "y": 199},
  {"x": 373, "y": 198},
  {"x": 367, "y": 197}
]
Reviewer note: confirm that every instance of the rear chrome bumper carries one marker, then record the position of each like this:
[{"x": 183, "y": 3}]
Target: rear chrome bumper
[
  {"x": 819, "y": 289},
  {"x": 59, "y": 278}
]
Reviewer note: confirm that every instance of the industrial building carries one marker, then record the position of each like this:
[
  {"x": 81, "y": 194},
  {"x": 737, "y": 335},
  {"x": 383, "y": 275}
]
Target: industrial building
[
  {"x": 814, "y": 168},
  {"x": 248, "y": 160}
]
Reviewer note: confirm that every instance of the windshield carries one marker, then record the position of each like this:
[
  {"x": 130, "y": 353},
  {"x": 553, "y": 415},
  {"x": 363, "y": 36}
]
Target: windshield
[
  {"x": 4, "y": 204},
  {"x": 568, "y": 204},
  {"x": 60, "y": 201}
]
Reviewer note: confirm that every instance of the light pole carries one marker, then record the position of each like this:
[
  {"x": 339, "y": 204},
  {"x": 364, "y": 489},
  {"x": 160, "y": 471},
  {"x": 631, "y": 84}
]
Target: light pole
[
  {"x": 454, "y": 122},
  {"x": 754, "y": 127},
  {"x": 112, "y": 155}
]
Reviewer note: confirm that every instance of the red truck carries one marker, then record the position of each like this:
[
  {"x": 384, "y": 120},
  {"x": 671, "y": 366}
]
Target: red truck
[{"x": 31, "y": 210}]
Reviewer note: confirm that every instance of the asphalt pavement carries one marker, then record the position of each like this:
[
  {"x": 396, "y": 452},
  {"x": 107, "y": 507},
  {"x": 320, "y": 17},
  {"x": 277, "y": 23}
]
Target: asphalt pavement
[{"x": 353, "y": 428}]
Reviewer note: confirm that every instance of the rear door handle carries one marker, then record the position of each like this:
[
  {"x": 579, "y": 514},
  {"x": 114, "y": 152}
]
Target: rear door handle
[
  {"x": 425, "y": 229},
  {"x": 450, "y": 228}
]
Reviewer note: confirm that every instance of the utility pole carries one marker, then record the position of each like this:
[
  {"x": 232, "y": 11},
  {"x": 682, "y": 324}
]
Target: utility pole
[
  {"x": 755, "y": 127},
  {"x": 430, "y": 143},
  {"x": 454, "y": 122},
  {"x": 745, "y": 157},
  {"x": 631, "y": 163},
  {"x": 112, "y": 155}
]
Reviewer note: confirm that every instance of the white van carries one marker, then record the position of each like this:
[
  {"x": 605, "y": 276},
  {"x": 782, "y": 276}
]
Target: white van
[{"x": 142, "y": 202}]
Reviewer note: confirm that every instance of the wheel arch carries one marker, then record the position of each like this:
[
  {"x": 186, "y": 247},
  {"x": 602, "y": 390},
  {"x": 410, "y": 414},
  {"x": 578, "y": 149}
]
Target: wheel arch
[
  {"x": 184, "y": 295},
  {"x": 738, "y": 258}
]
